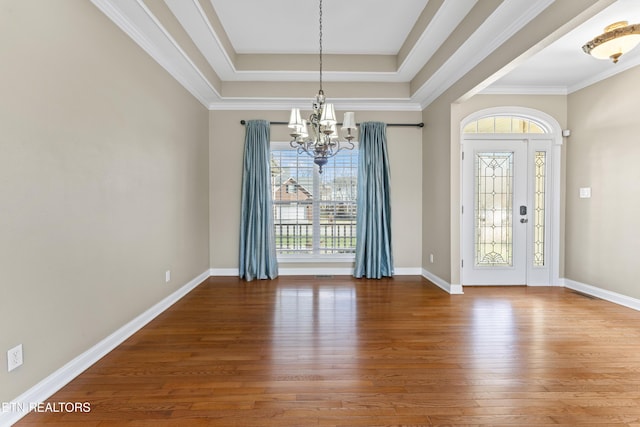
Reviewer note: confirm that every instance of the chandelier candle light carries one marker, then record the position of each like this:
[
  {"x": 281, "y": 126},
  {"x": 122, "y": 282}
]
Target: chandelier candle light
[{"x": 318, "y": 137}]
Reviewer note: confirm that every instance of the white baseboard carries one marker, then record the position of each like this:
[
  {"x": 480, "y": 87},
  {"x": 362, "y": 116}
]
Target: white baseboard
[
  {"x": 604, "y": 294},
  {"x": 408, "y": 271},
  {"x": 453, "y": 289},
  {"x": 316, "y": 271},
  {"x": 224, "y": 272},
  {"x": 19, "y": 407}
]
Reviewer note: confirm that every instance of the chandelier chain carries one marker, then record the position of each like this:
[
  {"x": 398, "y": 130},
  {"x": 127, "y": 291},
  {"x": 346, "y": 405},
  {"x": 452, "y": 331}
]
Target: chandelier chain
[
  {"x": 320, "y": 21},
  {"x": 318, "y": 137}
]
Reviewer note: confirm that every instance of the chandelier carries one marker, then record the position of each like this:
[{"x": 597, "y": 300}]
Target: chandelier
[
  {"x": 318, "y": 136},
  {"x": 617, "y": 39}
]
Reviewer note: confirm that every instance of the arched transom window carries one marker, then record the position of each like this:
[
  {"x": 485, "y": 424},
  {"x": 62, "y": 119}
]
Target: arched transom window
[{"x": 504, "y": 124}]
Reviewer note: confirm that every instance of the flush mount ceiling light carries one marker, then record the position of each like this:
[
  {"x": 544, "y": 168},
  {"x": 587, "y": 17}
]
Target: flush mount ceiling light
[
  {"x": 617, "y": 39},
  {"x": 318, "y": 137}
]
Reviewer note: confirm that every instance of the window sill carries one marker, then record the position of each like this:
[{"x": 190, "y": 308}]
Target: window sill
[{"x": 290, "y": 259}]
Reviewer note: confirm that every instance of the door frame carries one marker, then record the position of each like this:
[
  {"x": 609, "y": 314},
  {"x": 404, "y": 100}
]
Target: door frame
[{"x": 553, "y": 133}]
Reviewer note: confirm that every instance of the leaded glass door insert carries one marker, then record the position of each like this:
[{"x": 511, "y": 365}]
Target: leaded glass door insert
[
  {"x": 493, "y": 209},
  {"x": 495, "y": 220}
]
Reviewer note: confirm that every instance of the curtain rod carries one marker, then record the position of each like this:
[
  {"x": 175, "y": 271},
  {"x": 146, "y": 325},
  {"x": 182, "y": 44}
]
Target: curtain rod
[{"x": 420, "y": 125}]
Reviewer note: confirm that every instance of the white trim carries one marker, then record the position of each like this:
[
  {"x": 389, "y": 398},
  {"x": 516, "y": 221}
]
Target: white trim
[
  {"x": 444, "y": 22},
  {"x": 314, "y": 271},
  {"x": 58, "y": 379},
  {"x": 489, "y": 36},
  {"x": 345, "y": 271},
  {"x": 407, "y": 271},
  {"x": 604, "y": 294},
  {"x": 608, "y": 72},
  {"x": 524, "y": 90},
  {"x": 285, "y": 104},
  {"x": 555, "y": 134},
  {"x": 312, "y": 259},
  {"x": 453, "y": 289},
  {"x": 224, "y": 272},
  {"x": 137, "y": 21},
  {"x": 305, "y": 271}
]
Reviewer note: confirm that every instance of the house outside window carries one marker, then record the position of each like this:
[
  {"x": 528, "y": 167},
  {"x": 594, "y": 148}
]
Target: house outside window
[{"x": 314, "y": 214}]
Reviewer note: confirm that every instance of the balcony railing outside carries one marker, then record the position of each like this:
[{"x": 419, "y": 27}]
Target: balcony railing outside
[{"x": 335, "y": 238}]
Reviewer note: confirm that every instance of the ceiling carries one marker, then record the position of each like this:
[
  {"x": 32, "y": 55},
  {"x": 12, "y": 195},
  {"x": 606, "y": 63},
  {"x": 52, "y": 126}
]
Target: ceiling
[{"x": 400, "y": 55}]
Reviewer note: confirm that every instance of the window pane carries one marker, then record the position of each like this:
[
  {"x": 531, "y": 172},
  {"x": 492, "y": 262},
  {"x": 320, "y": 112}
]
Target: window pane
[
  {"x": 471, "y": 128},
  {"x": 519, "y": 125},
  {"x": 486, "y": 125},
  {"x": 534, "y": 128},
  {"x": 292, "y": 178},
  {"x": 503, "y": 124},
  {"x": 338, "y": 196},
  {"x": 314, "y": 213}
]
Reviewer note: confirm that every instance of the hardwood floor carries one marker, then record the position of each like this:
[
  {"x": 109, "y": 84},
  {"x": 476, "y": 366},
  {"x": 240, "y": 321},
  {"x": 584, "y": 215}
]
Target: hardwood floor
[{"x": 302, "y": 351}]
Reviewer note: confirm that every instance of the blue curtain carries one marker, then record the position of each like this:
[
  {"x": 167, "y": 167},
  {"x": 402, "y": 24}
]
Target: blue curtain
[
  {"x": 257, "y": 235},
  {"x": 374, "y": 258}
]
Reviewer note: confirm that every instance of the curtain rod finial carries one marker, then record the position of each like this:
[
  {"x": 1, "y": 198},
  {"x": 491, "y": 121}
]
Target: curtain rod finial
[{"x": 243, "y": 122}]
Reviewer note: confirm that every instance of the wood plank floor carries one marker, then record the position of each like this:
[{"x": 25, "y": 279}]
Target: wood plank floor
[{"x": 302, "y": 351}]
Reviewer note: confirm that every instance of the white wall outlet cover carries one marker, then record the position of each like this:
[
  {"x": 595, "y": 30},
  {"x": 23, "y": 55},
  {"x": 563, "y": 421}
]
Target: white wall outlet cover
[
  {"x": 585, "y": 192},
  {"x": 167, "y": 275},
  {"x": 14, "y": 358}
]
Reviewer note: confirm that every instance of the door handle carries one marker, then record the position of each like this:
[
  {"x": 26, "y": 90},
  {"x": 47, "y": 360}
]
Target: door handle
[{"x": 524, "y": 220}]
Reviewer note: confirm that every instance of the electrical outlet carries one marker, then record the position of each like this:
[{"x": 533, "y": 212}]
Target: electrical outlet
[
  {"x": 431, "y": 258},
  {"x": 167, "y": 276},
  {"x": 14, "y": 358}
]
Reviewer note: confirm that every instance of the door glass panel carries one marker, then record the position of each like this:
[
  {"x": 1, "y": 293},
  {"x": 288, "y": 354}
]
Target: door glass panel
[
  {"x": 540, "y": 168},
  {"x": 494, "y": 209}
]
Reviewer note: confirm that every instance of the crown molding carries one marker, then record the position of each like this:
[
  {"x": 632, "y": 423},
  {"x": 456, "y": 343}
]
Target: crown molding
[
  {"x": 280, "y": 104},
  {"x": 444, "y": 22},
  {"x": 524, "y": 90},
  {"x": 137, "y": 21},
  {"x": 609, "y": 72},
  {"x": 497, "y": 29},
  {"x": 194, "y": 20}
]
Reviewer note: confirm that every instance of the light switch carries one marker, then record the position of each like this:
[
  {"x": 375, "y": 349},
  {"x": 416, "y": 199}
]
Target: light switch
[{"x": 585, "y": 192}]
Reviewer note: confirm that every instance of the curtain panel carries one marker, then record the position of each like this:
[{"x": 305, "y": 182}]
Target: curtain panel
[
  {"x": 374, "y": 258},
  {"x": 257, "y": 236}
]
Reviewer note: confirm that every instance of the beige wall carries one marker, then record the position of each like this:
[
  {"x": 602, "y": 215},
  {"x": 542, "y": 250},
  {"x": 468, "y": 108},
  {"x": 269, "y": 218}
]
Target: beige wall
[
  {"x": 436, "y": 195},
  {"x": 602, "y": 233},
  {"x": 103, "y": 184},
  {"x": 226, "y": 148}
]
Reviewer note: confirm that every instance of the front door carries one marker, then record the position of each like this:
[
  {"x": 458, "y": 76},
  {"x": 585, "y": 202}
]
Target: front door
[{"x": 504, "y": 213}]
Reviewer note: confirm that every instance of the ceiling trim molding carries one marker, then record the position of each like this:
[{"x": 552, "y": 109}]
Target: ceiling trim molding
[
  {"x": 524, "y": 90},
  {"x": 285, "y": 104},
  {"x": 196, "y": 23},
  {"x": 137, "y": 21},
  {"x": 438, "y": 30},
  {"x": 497, "y": 29},
  {"x": 609, "y": 72}
]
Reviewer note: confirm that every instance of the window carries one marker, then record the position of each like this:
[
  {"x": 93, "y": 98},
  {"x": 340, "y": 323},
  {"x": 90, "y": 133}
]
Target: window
[
  {"x": 504, "y": 124},
  {"x": 314, "y": 214}
]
